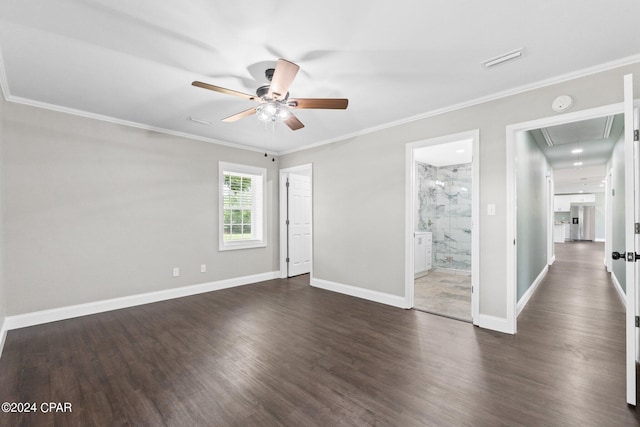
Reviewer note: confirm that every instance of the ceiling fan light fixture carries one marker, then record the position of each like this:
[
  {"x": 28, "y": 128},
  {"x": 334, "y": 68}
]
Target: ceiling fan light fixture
[{"x": 272, "y": 111}]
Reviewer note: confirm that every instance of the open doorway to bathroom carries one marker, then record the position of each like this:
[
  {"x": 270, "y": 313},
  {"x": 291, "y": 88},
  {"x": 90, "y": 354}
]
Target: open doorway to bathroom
[{"x": 444, "y": 208}]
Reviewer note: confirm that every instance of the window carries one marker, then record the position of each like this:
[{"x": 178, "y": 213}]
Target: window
[{"x": 242, "y": 206}]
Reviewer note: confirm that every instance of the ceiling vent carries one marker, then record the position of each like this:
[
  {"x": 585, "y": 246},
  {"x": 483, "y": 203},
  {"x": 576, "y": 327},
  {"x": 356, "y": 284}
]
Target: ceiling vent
[
  {"x": 202, "y": 122},
  {"x": 500, "y": 59}
]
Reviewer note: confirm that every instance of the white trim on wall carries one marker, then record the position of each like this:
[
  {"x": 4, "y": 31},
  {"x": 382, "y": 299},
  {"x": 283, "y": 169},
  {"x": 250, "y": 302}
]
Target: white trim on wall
[
  {"x": 524, "y": 300},
  {"x": 306, "y": 168},
  {"x": 3, "y": 335},
  {"x": 62, "y": 313},
  {"x": 354, "y": 291},
  {"x": 410, "y": 209},
  {"x": 512, "y": 131},
  {"x": 498, "y": 324},
  {"x": 493, "y": 97},
  {"x": 621, "y": 294},
  {"x": 4, "y": 86}
]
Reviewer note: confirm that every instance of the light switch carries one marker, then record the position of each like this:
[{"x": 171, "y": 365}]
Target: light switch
[{"x": 491, "y": 209}]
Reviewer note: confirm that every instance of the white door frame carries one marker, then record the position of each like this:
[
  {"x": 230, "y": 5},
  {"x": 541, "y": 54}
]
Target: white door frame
[
  {"x": 512, "y": 132},
  {"x": 410, "y": 209},
  {"x": 307, "y": 169},
  {"x": 608, "y": 222},
  {"x": 551, "y": 256},
  {"x": 631, "y": 209}
]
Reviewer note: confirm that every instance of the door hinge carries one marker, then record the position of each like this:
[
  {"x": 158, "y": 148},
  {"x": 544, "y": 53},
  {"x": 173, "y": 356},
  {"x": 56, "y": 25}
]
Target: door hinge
[
  {"x": 637, "y": 227},
  {"x": 287, "y": 223},
  {"x": 636, "y": 135},
  {"x": 637, "y": 321},
  {"x": 287, "y": 184},
  {"x": 287, "y": 259}
]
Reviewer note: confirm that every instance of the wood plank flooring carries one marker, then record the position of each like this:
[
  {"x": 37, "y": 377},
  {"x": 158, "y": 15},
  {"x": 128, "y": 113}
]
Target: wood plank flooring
[{"x": 283, "y": 353}]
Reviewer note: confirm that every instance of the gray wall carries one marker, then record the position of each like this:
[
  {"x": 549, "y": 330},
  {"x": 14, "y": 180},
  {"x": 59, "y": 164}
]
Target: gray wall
[
  {"x": 616, "y": 164},
  {"x": 96, "y": 210},
  {"x": 359, "y": 187},
  {"x": 600, "y": 217},
  {"x": 532, "y": 168}
]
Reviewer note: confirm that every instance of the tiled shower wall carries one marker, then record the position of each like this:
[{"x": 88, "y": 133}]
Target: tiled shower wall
[{"x": 444, "y": 208}]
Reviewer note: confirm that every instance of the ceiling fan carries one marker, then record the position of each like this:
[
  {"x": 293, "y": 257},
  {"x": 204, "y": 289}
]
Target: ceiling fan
[{"x": 274, "y": 102}]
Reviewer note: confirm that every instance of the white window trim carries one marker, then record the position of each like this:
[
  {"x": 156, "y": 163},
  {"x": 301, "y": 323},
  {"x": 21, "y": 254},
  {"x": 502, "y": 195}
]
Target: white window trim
[{"x": 240, "y": 169}]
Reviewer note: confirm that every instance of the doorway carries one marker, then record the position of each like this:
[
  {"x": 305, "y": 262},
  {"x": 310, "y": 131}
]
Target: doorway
[
  {"x": 442, "y": 197},
  {"x": 296, "y": 221},
  {"x": 560, "y": 142}
]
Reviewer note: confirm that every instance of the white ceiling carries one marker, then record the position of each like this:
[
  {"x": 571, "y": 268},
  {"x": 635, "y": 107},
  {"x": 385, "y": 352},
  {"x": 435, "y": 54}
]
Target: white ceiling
[
  {"x": 451, "y": 153},
  {"x": 583, "y": 171},
  {"x": 134, "y": 61}
]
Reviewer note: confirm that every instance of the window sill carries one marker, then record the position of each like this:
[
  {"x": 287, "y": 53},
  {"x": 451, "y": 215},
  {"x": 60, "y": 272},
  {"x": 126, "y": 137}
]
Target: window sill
[{"x": 242, "y": 245}]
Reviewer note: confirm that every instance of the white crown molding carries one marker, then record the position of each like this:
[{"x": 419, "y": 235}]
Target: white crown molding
[
  {"x": 498, "y": 95},
  {"x": 69, "y": 312},
  {"x": 4, "y": 85},
  {"x": 109, "y": 119}
]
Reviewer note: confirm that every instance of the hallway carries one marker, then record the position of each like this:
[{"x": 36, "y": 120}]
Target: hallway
[{"x": 573, "y": 334}]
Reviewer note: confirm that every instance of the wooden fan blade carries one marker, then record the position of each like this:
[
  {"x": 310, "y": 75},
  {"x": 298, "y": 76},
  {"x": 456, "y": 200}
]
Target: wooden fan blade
[
  {"x": 240, "y": 115},
  {"x": 282, "y": 78},
  {"x": 224, "y": 90},
  {"x": 293, "y": 122},
  {"x": 324, "y": 103}
]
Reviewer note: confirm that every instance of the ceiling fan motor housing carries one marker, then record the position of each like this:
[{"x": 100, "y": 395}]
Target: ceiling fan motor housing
[{"x": 269, "y": 73}]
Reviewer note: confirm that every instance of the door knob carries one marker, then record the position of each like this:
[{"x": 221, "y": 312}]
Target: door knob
[{"x": 617, "y": 255}]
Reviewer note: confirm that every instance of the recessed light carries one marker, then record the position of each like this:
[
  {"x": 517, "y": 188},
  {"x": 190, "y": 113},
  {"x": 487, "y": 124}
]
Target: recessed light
[
  {"x": 577, "y": 164},
  {"x": 460, "y": 151},
  {"x": 202, "y": 122},
  {"x": 576, "y": 150},
  {"x": 502, "y": 58},
  {"x": 581, "y": 191}
]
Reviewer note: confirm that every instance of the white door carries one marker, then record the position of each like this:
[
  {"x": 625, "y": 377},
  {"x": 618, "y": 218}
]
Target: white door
[
  {"x": 299, "y": 224},
  {"x": 632, "y": 240}
]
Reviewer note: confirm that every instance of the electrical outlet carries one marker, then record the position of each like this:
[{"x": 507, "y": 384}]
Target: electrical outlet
[
  {"x": 176, "y": 272},
  {"x": 203, "y": 268}
]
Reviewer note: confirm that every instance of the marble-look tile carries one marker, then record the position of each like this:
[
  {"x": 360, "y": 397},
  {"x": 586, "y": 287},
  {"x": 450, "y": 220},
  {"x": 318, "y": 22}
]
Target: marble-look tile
[{"x": 444, "y": 208}]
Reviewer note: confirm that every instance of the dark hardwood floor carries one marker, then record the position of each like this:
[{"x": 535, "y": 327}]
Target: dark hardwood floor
[{"x": 283, "y": 353}]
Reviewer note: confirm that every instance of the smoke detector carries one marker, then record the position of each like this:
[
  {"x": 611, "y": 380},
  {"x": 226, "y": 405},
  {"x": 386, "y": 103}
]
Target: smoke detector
[{"x": 562, "y": 103}]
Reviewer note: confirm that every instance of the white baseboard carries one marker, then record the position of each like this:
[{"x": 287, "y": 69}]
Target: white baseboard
[
  {"x": 599, "y": 240},
  {"x": 499, "y": 324},
  {"x": 553, "y": 259},
  {"x": 524, "y": 300},
  {"x": 3, "y": 334},
  {"x": 355, "y": 291},
  {"x": 62, "y": 313},
  {"x": 621, "y": 294}
]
